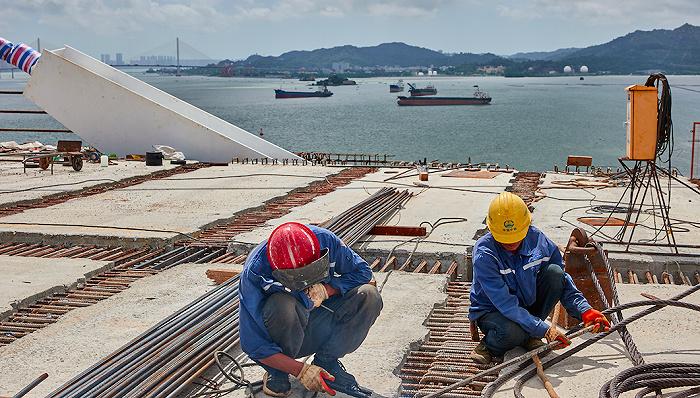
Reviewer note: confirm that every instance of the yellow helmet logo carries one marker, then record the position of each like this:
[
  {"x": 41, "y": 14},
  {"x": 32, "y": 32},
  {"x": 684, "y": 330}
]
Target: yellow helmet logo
[{"x": 509, "y": 224}]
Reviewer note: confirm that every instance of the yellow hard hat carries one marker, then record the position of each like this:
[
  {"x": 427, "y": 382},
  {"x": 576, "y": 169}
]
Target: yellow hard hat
[{"x": 509, "y": 218}]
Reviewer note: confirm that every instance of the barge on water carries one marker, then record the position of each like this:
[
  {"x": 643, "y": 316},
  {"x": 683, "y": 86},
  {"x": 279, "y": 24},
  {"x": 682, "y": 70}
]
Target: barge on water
[
  {"x": 396, "y": 87},
  {"x": 420, "y": 92},
  {"x": 479, "y": 98},
  {"x": 279, "y": 93}
]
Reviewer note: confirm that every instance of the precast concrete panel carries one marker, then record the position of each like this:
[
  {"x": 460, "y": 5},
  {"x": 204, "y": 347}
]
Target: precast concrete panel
[{"x": 116, "y": 112}]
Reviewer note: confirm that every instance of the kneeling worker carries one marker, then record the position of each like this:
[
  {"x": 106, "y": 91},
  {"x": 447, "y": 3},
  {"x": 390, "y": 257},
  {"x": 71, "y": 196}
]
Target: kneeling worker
[
  {"x": 304, "y": 292},
  {"x": 518, "y": 279}
]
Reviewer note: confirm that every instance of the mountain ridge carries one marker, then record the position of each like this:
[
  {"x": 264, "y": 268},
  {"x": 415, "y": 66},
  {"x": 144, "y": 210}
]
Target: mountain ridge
[{"x": 669, "y": 51}]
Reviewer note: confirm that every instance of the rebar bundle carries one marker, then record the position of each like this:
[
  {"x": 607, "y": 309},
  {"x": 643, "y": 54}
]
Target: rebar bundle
[
  {"x": 166, "y": 358},
  {"x": 354, "y": 223}
]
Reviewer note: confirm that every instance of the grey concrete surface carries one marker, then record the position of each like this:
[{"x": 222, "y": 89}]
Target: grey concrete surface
[
  {"x": 439, "y": 197},
  {"x": 42, "y": 182},
  {"x": 182, "y": 203},
  {"x": 26, "y": 279},
  {"x": 557, "y": 212},
  {"x": 408, "y": 300},
  {"x": 668, "y": 335},
  {"x": 85, "y": 335}
]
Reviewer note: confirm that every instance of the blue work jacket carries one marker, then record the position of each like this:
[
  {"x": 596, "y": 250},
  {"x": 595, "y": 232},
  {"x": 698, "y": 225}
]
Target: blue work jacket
[
  {"x": 347, "y": 271},
  {"x": 507, "y": 282}
]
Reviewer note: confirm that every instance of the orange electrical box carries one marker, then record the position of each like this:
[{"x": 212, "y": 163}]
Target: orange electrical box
[{"x": 642, "y": 116}]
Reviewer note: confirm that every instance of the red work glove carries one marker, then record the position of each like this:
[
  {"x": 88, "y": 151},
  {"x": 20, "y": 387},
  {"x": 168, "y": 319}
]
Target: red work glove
[
  {"x": 553, "y": 334},
  {"x": 595, "y": 317}
]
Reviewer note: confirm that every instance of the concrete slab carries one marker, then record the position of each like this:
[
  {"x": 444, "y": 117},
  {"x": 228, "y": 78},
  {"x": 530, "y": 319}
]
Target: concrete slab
[
  {"x": 182, "y": 203},
  {"x": 71, "y": 345},
  {"x": 13, "y": 178},
  {"x": 408, "y": 300},
  {"x": 85, "y": 335},
  {"x": 668, "y": 335},
  {"x": 439, "y": 197},
  {"x": 28, "y": 279},
  {"x": 557, "y": 212}
]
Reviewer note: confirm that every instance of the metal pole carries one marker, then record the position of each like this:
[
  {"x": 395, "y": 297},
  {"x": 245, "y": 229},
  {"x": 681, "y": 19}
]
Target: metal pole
[
  {"x": 30, "y": 386},
  {"x": 38, "y": 44},
  {"x": 692, "y": 152},
  {"x": 177, "y": 45}
]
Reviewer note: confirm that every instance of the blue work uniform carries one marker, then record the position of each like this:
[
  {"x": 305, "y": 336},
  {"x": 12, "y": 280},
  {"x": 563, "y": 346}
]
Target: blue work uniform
[
  {"x": 507, "y": 282},
  {"x": 347, "y": 271}
]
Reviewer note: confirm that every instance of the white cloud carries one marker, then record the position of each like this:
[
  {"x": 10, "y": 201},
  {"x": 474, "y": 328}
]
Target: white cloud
[
  {"x": 605, "y": 11},
  {"x": 113, "y": 16}
]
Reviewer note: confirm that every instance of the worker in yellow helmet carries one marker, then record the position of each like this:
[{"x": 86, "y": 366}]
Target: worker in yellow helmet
[{"x": 518, "y": 278}]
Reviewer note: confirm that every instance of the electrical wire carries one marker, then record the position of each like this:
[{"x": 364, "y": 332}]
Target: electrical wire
[
  {"x": 38, "y": 224},
  {"x": 234, "y": 374},
  {"x": 169, "y": 179},
  {"x": 418, "y": 240},
  {"x": 664, "y": 137},
  {"x": 59, "y": 185}
]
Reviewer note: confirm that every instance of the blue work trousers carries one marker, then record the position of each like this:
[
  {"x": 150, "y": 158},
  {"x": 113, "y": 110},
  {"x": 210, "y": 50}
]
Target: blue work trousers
[
  {"x": 300, "y": 332},
  {"x": 502, "y": 334}
]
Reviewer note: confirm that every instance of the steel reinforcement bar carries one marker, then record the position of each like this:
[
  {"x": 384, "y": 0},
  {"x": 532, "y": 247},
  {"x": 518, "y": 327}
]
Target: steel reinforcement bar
[
  {"x": 168, "y": 357},
  {"x": 443, "y": 357},
  {"x": 159, "y": 362},
  {"x": 61, "y": 197},
  {"x": 130, "y": 265}
]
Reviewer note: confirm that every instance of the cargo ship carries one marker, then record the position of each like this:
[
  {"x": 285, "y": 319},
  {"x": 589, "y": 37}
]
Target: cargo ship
[
  {"x": 396, "y": 87},
  {"x": 479, "y": 98},
  {"x": 279, "y": 93},
  {"x": 420, "y": 92}
]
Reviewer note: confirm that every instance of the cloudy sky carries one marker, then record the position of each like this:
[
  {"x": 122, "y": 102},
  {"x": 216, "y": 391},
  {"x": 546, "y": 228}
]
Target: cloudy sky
[{"x": 238, "y": 28}]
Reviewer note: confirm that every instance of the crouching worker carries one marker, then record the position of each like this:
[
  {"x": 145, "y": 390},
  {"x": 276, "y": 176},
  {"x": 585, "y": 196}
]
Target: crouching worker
[
  {"x": 304, "y": 292},
  {"x": 518, "y": 279}
]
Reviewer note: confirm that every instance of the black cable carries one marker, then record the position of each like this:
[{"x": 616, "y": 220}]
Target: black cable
[
  {"x": 653, "y": 377},
  {"x": 169, "y": 179},
  {"x": 664, "y": 137},
  {"x": 234, "y": 374},
  {"x": 59, "y": 185}
]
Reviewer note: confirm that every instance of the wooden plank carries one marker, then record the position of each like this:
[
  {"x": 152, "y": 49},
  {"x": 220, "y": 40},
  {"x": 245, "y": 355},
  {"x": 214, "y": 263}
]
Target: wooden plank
[
  {"x": 573, "y": 160},
  {"x": 398, "y": 230},
  {"x": 220, "y": 276}
]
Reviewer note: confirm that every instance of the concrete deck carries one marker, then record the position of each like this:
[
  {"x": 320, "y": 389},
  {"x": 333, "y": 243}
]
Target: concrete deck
[
  {"x": 571, "y": 203},
  {"x": 440, "y": 197},
  {"x": 85, "y": 335},
  {"x": 27, "y": 279},
  {"x": 668, "y": 335},
  {"x": 182, "y": 203},
  {"x": 13, "y": 178}
]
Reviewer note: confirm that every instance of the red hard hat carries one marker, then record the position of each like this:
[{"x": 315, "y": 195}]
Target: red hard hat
[{"x": 292, "y": 245}]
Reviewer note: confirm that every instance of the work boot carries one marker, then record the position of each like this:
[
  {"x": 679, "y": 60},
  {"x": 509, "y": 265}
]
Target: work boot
[
  {"x": 344, "y": 381},
  {"x": 276, "y": 384},
  {"x": 533, "y": 344},
  {"x": 481, "y": 354}
]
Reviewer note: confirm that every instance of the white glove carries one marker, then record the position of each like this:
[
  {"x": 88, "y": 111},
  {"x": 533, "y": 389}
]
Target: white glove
[{"x": 317, "y": 293}]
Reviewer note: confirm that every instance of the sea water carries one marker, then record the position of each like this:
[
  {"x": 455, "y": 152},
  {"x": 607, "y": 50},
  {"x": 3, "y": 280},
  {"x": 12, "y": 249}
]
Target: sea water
[{"x": 532, "y": 123}]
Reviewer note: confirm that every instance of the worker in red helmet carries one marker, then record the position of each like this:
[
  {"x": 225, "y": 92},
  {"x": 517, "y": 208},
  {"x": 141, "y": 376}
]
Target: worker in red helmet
[{"x": 304, "y": 292}]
